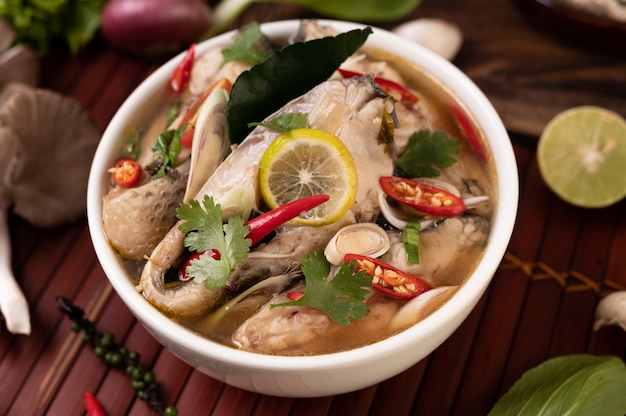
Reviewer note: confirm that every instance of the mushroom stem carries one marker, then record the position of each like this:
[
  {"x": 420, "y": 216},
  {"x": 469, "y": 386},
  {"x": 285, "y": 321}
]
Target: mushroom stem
[{"x": 13, "y": 304}]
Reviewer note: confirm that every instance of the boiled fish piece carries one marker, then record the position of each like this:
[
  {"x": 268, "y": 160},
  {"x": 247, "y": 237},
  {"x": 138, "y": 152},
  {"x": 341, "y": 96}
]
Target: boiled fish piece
[
  {"x": 352, "y": 109},
  {"x": 441, "y": 247},
  {"x": 301, "y": 330}
]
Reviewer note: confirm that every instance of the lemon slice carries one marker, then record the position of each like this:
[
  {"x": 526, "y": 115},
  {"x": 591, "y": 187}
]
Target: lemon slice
[
  {"x": 304, "y": 162},
  {"x": 581, "y": 155}
]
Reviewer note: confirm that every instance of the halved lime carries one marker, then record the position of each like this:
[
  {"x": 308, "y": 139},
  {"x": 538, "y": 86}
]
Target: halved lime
[
  {"x": 306, "y": 162},
  {"x": 582, "y": 156}
]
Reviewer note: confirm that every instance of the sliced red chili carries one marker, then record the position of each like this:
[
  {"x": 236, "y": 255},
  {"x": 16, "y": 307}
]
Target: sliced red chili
[
  {"x": 92, "y": 406},
  {"x": 186, "y": 138},
  {"x": 388, "y": 279},
  {"x": 126, "y": 173},
  {"x": 181, "y": 75},
  {"x": 386, "y": 85},
  {"x": 295, "y": 295},
  {"x": 267, "y": 222},
  {"x": 470, "y": 132},
  {"x": 182, "y": 271},
  {"x": 424, "y": 198}
]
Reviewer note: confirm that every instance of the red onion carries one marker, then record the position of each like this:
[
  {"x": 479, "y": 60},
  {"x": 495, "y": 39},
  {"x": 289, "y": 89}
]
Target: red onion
[{"x": 154, "y": 27}]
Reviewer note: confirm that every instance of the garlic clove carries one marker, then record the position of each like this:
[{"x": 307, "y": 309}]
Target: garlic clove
[
  {"x": 442, "y": 37},
  {"x": 611, "y": 311}
]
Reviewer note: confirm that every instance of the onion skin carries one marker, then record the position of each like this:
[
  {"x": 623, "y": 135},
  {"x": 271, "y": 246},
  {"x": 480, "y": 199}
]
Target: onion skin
[{"x": 154, "y": 27}]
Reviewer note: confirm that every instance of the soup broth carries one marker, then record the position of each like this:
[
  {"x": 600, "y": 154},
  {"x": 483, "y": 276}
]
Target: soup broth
[{"x": 452, "y": 246}]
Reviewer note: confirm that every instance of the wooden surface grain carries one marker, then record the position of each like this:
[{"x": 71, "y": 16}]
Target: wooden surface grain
[{"x": 541, "y": 303}]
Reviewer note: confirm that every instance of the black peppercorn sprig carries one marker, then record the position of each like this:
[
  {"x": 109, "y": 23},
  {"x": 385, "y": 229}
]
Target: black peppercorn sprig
[{"x": 106, "y": 348}]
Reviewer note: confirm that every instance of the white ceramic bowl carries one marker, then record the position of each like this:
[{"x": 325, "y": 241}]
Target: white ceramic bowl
[{"x": 328, "y": 374}]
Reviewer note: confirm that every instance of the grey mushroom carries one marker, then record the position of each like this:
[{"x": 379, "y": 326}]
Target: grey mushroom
[{"x": 47, "y": 142}]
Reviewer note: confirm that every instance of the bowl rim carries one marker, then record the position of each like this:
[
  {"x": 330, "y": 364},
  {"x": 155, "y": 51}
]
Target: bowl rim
[{"x": 468, "y": 294}]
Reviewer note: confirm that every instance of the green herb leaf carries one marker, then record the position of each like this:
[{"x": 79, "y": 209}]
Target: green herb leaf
[
  {"x": 165, "y": 150},
  {"x": 411, "y": 240},
  {"x": 425, "y": 151},
  {"x": 284, "y": 75},
  {"x": 226, "y": 11},
  {"x": 341, "y": 297},
  {"x": 361, "y": 10},
  {"x": 173, "y": 110},
  {"x": 38, "y": 23},
  {"x": 578, "y": 384},
  {"x": 284, "y": 122},
  {"x": 242, "y": 47},
  {"x": 205, "y": 230},
  {"x": 387, "y": 126}
]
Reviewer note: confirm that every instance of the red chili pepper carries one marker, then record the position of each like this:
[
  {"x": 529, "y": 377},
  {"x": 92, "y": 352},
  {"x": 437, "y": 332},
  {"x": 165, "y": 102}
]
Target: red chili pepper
[
  {"x": 126, "y": 173},
  {"x": 386, "y": 85},
  {"x": 182, "y": 73},
  {"x": 92, "y": 406},
  {"x": 186, "y": 138},
  {"x": 267, "y": 222},
  {"x": 424, "y": 198},
  {"x": 182, "y": 271},
  {"x": 389, "y": 280},
  {"x": 263, "y": 225},
  {"x": 468, "y": 129},
  {"x": 295, "y": 295},
  {"x": 191, "y": 116}
]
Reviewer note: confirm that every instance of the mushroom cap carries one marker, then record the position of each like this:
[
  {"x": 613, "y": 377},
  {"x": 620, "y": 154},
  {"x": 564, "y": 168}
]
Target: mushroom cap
[{"x": 53, "y": 141}]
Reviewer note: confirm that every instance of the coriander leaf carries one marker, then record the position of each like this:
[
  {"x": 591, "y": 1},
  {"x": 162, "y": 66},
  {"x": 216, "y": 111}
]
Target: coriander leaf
[
  {"x": 205, "y": 230},
  {"x": 242, "y": 47},
  {"x": 284, "y": 75},
  {"x": 165, "y": 150},
  {"x": 284, "y": 122},
  {"x": 578, "y": 384},
  {"x": 411, "y": 240},
  {"x": 425, "y": 151},
  {"x": 341, "y": 297},
  {"x": 213, "y": 273},
  {"x": 238, "y": 245}
]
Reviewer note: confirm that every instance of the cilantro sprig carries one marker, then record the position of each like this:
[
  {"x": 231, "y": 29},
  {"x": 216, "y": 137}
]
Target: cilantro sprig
[
  {"x": 426, "y": 151},
  {"x": 165, "y": 150},
  {"x": 242, "y": 48},
  {"x": 205, "y": 230},
  {"x": 341, "y": 297}
]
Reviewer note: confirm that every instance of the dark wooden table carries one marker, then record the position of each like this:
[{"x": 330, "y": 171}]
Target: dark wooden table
[{"x": 541, "y": 303}]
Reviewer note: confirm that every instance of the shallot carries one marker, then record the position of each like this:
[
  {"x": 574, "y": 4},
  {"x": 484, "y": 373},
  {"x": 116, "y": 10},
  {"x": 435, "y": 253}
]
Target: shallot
[{"x": 154, "y": 27}]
